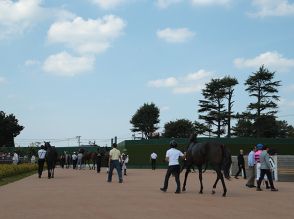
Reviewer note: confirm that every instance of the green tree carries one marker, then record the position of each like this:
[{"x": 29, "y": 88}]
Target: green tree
[
  {"x": 229, "y": 84},
  {"x": 202, "y": 129},
  {"x": 213, "y": 106},
  {"x": 243, "y": 127},
  {"x": 264, "y": 89},
  {"x": 9, "y": 129},
  {"x": 181, "y": 128},
  {"x": 145, "y": 120}
]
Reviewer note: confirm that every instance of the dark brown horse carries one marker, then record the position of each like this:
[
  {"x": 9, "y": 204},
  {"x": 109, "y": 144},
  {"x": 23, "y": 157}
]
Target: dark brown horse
[
  {"x": 51, "y": 158},
  {"x": 214, "y": 154},
  {"x": 90, "y": 158}
]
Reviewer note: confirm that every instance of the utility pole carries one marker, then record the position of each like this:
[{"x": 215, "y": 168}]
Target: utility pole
[{"x": 79, "y": 140}]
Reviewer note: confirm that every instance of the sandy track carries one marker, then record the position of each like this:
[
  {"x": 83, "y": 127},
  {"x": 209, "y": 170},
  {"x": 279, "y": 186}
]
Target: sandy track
[{"x": 86, "y": 194}]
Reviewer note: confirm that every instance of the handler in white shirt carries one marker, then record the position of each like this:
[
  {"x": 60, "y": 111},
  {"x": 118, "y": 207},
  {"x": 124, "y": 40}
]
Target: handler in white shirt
[
  {"x": 41, "y": 160},
  {"x": 172, "y": 156}
]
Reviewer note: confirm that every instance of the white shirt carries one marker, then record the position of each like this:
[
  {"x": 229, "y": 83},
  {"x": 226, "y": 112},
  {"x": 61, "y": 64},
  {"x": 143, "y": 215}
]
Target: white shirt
[
  {"x": 153, "y": 156},
  {"x": 15, "y": 157},
  {"x": 41, "y": 154},
  {"x": 74, "y": 157},
  {"x": 173, "y": 156}
]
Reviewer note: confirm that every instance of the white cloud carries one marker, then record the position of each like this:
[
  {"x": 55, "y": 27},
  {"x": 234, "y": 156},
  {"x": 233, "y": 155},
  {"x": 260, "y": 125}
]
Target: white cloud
[
  {"x": 18, "y": 16},
  {"x": 210, "y": 2},
  {"x": 286, "y": 104},
  {"x": 64, "y": 64},
  {"x": 166, "y": 3},
  {"x": 267, "y": 8},
  {"x": 108, "y": 4},
  {"x": 164, "y": 108},
  {"x": 2, "y": 80},
  {"x": 168, "y": 82},
  {"x": 87, "y": 36},
  {"x": 175, "y": 35},
  {"x": 189, "y": 83},
  {"x": 273, "y": 60},
  {"x": 31, "y": 62}
]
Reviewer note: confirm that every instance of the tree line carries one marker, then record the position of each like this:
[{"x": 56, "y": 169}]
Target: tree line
[{"x": 215, "y": 113}]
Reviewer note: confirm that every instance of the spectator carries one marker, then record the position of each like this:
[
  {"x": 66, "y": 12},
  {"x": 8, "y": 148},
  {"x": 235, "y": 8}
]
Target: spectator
[
  {"x": 74, "y": 158},
  {"x": 257, "y": 154},
  {"x": 33, "y": 159},
  {"x": 153, "y": 158},
  {"x": 15, "y": 158}
]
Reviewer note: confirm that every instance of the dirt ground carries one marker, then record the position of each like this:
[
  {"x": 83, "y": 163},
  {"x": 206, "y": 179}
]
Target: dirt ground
[{"x": 86, "y": 194}]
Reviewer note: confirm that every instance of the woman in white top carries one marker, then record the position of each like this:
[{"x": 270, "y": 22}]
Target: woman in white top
[{"x": 172, "y": 157}]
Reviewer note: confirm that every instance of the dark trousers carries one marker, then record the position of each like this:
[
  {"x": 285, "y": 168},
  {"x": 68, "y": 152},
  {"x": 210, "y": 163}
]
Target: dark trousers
[
  {"x": 175, "y": 170},
  {"x": 153, "y": 164},
  {"x": 241, "y": 167},
  {"x": 114, "y": 164},
  {"x": 74, "y": 163},
  {"x": 268, "y": 173},
  {"x": 98, "y": 162},
  {"x": 40, "y": 166}
]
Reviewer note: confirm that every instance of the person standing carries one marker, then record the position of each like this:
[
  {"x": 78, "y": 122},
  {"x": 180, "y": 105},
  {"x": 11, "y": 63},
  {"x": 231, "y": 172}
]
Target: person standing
[
  {"x": 153, "y": 158},
  {"x": 80, "y": 159},
  {"x": 74, "y": 158},
  {"x": 114, "y": 162},
  {"x": 124, "y": 161},
  {"x": 251, "y": 168},
  {"x": 265, "y": 169},
  {"x": 98, "y": 161},
  {"x": 241, "y": 165},
  {"x": 172, "y": 157},
  {"x": 41, "y": 160},
  {"x": 15, "y": 158}
]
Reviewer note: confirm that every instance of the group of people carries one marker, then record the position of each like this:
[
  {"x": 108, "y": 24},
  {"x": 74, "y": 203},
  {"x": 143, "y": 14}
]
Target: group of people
[{"x": 260, "y": 167}]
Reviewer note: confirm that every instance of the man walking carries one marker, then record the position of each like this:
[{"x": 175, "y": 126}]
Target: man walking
[
  {"x": 41, "y": 160},
  {"x": 251, "y": 168},
  {"x": 172, "y": 157},
  {"x": 241, "y": 165},
  {"x": 114, "y": 158},
  {"x": 265, "y": 169},
  {"x": 153, "y": 157}
]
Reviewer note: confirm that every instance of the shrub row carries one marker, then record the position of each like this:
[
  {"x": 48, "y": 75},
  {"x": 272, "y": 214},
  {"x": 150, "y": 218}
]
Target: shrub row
[{"x": 7, "y": 170}]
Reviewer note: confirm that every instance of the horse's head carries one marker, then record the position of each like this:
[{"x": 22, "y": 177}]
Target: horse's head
[{"x": 47, "y": 144}]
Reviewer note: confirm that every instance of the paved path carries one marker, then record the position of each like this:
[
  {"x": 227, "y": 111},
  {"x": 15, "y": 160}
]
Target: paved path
[{"x": 85, "y": 194}]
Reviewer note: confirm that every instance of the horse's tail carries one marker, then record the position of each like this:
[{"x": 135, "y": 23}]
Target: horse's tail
[{"x": 226, "y": 161}]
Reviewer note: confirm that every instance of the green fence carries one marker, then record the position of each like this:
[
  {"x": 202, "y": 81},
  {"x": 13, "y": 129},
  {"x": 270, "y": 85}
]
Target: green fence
[{"x": 139, "y": 150}]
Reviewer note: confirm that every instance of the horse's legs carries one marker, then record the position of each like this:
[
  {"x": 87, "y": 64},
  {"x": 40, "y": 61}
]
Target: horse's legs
[
  {"x": 200, "y": 179},
  {"x": 186, "y": 176},
  {"x": 220, "y": 177}
]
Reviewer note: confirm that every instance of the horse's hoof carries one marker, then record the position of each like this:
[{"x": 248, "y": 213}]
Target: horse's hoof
[
  {"x": 213, "y": 192},
  {"x": 224, "y": 195},
  {"x": 183, "y": 189},
  {"x": 200, "y": 192}
]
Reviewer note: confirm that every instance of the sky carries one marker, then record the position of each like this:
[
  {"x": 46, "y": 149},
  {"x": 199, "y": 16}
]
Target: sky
[{"x": 84, "y": 67}]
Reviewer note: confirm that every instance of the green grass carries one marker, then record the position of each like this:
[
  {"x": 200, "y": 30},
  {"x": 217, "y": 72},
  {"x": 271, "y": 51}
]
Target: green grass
[{"x": 14, "y": 178}]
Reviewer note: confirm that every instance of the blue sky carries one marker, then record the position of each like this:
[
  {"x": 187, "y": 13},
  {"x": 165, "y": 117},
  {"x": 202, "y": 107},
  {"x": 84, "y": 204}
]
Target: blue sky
[{"x": 83, "y": 67}]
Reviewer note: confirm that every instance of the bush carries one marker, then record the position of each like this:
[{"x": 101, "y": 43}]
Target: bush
[{"x": 7, "y": 170}]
